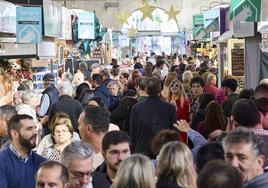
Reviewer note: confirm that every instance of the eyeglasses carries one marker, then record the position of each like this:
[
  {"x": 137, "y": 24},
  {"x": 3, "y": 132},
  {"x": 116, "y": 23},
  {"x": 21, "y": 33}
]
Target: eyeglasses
[
  {"x": 61, "y": 131},
  {"x": 174, "y": 85},
  {"x": 81, "y": 175}
]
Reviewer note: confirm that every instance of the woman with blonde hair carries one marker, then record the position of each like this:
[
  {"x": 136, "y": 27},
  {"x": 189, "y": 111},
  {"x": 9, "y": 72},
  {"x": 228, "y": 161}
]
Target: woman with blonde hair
[
  {"x": 179, "y": 99},
  {"x": 171, "y": 76},
  {"x": 175, "y": 167},
  {"x": 135, "y": 172}
]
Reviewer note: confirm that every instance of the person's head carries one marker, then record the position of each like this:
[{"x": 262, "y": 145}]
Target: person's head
[
  {"x": 208, "y": 152},
  {"x": 83, "y": 67},
  {"x": 170, "y": 76},
  {"x": 176, "y": 89},
  {"x": 115, "y": 72},
  {"x": 214, "y": 118},
  {"x": 205, "y": 100},
  {"x": 95, "y": 68},
  {"x": 67, "y": 76},
  {"x": 262, "y": 104},
  {"x": 97, "y": 80},
  {"x": 115, "y": 148},
  {"x": 94, "y": 120},
  {"x": 187, "y": 77},
  {"x": 141, "y": 83},
  {"x": 17, "y": 97},
  {"x": 153, "y": 87},
  {"x": 163, "y": 137},
  {"x": 30, "y": 98},
  {"x": 137, "y": 171},
  {"x": 48, "y": 79},
  {"x": 176, "y": 161},
  {"x": 244, "y": 150},
  {"x": 80, "y": 88},
  {"x": 105, "y": 74},
  {"x": 114, "y": 87},
  {"x": 6, "y": 112},
  {"x": 229, "y": 86},
  {"x": 246, "y": 113},
  {"x": 219, "y": 174},
  {"x": 22, "y": 131},
  {"x": 261, "y": 91},
  {"x": 246, "y": 94},
  {"x": 197, "y": 85},
  {"x": 65, "y": 88},
  {"x": 211, "y": 78},
  {"x": 61, "y": 128},
  {"x": 77, "y": 157},
  {"x": 96, "y": 101},
  {"x": 160, "y": 64},
  {"x": 85, "y": 96},
  {"x": 52, "y": 174}
]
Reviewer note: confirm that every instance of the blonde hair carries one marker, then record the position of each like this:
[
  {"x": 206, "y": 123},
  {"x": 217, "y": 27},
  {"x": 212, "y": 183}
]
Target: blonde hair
[
  {"x": 181, "y": 95},
  {"x": 135, "y": 172},
  {"x": 171, "y": 76},
  {"x": 187, "y": 77},
  {"x": 175, "y": 160},
  {"x": 58, "y": 119}
]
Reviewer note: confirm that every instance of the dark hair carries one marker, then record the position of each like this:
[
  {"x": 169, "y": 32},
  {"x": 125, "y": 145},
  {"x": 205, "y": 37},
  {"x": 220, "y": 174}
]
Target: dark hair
[
  {"x": 7, "y": 111},
  {"x": 64, "y": 176},
  {"x": 153, "y": 87},
  {"x": 148, "y": 69},
  {"x": 262, "y": 105},
  {"x": 98, "y": 100},
  {"x": 15, "y": 122},
  {"x": 85, "y": 96},
  {"x": 214, "y": 118},
  {"x": 163, "y": 137},
  {"x": 80, "y": 88},
  {"x": 208, "y": 152},
  {"x": 142, "y": 82},
  {"x": 97, "y": 117},
  {"x": 159, "y": 63},
  {"x": 114, "y": 138},
  {"x": 115, "y": 71},
  {"x": 48, "y": 77},
  {"x": 245, "y": 135},
  {"x": 261, "y": 91},
  {"x": 246, "y": 113},
  {"x": 205, "y": 99},
  {"x": 23, "y": 87},
  {"x": 246, "y": 94},
  {"x": 138, "y": 65},
  {"x": 125, "y": 75},
  {"x": 198, "y": 80},
  {"x": 219, "y": 174},
  {"x": 230, "y": 83},
  {"x": 129, "y": 93},
  {"x": 97, "y": 78}
]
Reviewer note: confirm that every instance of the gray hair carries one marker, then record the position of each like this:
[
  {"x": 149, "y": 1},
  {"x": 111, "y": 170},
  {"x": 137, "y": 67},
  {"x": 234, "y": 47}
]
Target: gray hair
[
  {"x": 245, "y": 135},
  {"x": 7, "y": 111},
  {"x": 76, "y": 150},
  {"x": 65, "y": 88},
  {"x": 28, "y": 96},
  {"x": 187, "y": 76},
  {"x": 67, "y": 76},
  {"x": 113, "y": 83}
]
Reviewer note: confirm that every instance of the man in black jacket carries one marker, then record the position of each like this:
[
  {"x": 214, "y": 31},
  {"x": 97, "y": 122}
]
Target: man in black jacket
[{"x": 149, "y": 117}]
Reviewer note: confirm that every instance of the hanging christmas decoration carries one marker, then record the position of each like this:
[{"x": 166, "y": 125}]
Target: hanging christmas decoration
[
  {"x": 147, "y": 11},
  {"x": 122, "y": 17},
  {"x": 146, "y": 1},
  {"x": 132, "y": 31},
  {"x": 172, "y": 13}
]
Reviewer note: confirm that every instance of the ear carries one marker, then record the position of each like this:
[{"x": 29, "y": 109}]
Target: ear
[
  {"x": 103, "y": 153},
  {"x": 14, "y": 133},
  {"x": 89, "y": 128},
  {"x": 261, "y": 160}
]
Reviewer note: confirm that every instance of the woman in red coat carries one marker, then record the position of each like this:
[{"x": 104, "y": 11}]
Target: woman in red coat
[{"x": 178, "y": 97}]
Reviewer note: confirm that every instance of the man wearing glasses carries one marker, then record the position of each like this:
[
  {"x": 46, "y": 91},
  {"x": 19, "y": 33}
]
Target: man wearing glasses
[
  {"x": 115, "y": 149},
  {"x": 78, "y": 158}
]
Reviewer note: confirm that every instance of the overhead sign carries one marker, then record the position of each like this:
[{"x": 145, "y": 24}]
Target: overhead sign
[
  {"x": 245, "y": 10},
  {"x": 7, "y": 17},
  {"x": 29, "y": 25},
  {"x": 86, "y": 25},
  {"x": 199, "y": 32},
  {"x": 264, "y": 10},
  {"x": 214, "y": 20}
]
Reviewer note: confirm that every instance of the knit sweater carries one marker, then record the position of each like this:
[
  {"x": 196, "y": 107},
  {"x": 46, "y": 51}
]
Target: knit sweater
[{"x": 16, "y": 173}]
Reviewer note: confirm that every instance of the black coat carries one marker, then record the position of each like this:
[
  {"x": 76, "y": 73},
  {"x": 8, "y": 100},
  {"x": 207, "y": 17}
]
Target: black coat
[
  {"x": 147, "y": 119},
  {"x": 167, "y": 183},
  {"x": 99, "y": 180},
  {"x": 69, "y": 106}
]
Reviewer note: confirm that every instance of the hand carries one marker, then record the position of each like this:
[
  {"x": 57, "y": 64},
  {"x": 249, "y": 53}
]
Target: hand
[
  {"x": 44, "y": 120},
  {"x": 214, "y": 134},
  {"x": 230, "y": 124},
  {"x": 182, "y": 126}
]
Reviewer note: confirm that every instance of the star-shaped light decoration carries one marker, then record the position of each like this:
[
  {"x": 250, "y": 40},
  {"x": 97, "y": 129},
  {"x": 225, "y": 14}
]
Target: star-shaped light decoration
[
  {"x": 147, "y": 11},
  {"x": 122, "y": 17},
  {"x": 132, "y": 31},
  {"x": 172, "y": 13},
  {"x": 146, "y": 1}
]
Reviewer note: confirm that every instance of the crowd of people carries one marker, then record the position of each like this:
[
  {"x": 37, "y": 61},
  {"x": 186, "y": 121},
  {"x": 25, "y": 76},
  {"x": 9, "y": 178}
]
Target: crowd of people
[{"x": 150, "y": 122}]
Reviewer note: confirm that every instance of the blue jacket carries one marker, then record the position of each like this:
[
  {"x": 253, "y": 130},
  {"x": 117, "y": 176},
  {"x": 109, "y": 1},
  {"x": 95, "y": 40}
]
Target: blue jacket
[{"x": 104, "y": 93}]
